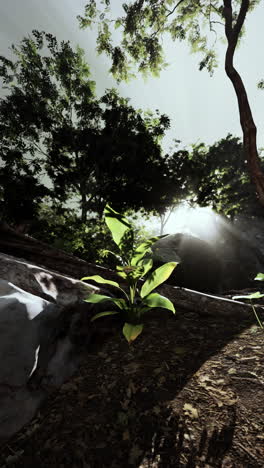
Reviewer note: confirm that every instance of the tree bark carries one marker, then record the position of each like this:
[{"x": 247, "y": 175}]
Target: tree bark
[
  {"x": 246, "y": 119},
  {"x": 83, "y": 207}
]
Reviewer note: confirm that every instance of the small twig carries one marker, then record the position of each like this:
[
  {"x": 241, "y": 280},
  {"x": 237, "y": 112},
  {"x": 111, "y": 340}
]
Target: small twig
[
  {"x": 238, "y": 444},
  {"x": 11, "y": 450},
  {"x": 248, "y": 379}
]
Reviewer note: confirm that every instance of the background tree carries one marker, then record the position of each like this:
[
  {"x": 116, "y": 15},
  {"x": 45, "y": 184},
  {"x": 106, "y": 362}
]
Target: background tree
[
  {"x": 143, "y": 26},
  {"x": 36, "y": 105},
  {"x": 216, "y": 176},
  {"x": 69, "y": 144},
  {"x": 224, "y": 182},
  {"x": 64, "y": 153}
]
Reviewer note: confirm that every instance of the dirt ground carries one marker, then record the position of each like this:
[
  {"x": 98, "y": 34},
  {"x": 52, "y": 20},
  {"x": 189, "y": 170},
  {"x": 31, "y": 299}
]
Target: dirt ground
[{"x": 187, "y": 393}]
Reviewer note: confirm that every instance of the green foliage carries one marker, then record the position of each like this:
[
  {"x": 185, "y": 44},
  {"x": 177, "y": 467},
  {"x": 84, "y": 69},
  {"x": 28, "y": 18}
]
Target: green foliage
[
  {"x": 144, "y": 24},
  {"x": 259, "y": 277},
  {"x": 224, "y": 179},
  {"x": 215, "y": 176},
  {"x": 62, "y": 228},
  {"x": 253, "y": 296},
  {"x": 60, "y": 141},
  {"x": 137, "y": 262}
]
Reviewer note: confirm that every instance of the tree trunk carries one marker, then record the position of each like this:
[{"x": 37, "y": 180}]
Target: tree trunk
[
  {"x": 247, "y": 123},
  {"x": 164, "y": 218},
  {"x": 83, "y": 208}
]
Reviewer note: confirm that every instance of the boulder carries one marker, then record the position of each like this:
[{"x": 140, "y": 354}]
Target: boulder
[
  {"x": 23, "y": 317},
  {"x": 242, "y": 259},
  {"x": 200, "y": 267},
  {"x": 230, "y": 262},
  {"x": 44, "y": 329}
]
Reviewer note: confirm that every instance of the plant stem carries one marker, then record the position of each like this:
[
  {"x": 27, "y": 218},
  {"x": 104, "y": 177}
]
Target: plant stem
[{"x": 256, "y": 315}]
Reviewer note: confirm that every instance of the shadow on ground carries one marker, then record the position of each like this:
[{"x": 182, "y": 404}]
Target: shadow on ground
[{"x": 169, "y": 400}]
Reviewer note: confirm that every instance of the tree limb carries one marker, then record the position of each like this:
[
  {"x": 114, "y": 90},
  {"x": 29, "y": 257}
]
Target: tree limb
[
  {"x": 228, "y": 18},
  {"x": 241, "y": 17}
]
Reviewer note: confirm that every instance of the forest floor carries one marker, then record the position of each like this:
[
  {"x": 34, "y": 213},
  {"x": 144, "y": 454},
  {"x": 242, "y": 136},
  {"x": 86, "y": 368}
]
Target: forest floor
[{"x": 188, "y": 393}]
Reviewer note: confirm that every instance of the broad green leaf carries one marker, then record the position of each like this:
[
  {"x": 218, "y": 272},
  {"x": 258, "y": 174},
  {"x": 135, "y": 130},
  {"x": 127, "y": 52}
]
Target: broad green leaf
[
  {"x": 157, "y": 277},
  {"x": 97, "y": 298},
  {"x": 146, "y": 264},
  {"x": 256, "y": 295},
  {"x": 122, "y": 274},
  {"x": 99, "y": 279},
  {"x": 156, "y": 300},
  {"x": 103, "y": 314},
  {"x": 142, "y": 250},
  {"x": 131, "y": 331},
  {"x": 117, "y": 224},
  {"x": 259, "y": 277}
]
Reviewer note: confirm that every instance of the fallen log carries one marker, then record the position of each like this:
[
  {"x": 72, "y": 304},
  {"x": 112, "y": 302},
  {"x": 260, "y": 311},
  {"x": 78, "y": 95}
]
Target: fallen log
[
  {"x": 28, "y": 248},
  {"x": 42, "y": 255},
  {"x": 43, "y": 282},
  {"x": 206, "y": 304}
]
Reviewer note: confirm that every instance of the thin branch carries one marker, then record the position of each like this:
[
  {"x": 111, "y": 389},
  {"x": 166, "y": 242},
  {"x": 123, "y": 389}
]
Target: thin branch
[
  {"x": 39, "y": 149},
  {"x": 170, "y": 13},
  {"x": 212, "y": 6},
  {"x": 173, "y": 10},
  {"x": 217, "y": 22}
]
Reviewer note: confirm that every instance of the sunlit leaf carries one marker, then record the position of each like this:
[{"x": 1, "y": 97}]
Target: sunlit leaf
[
  {"x": 146, "y": 264},
  {"x": 131, "y": 331},
  {"x": 99, "y": 279},
  {"x": 117, "y": 224},
  {"x": 156, "y": 300},
  {"x": 104, "y": 314},
  {"x": 98, "y": 298},
  {"x": 256, "y": 295},
  {"x": 157, "y": 277},
  {"x": 142, "y": 250},
  {"x": 259, "y": 277}
]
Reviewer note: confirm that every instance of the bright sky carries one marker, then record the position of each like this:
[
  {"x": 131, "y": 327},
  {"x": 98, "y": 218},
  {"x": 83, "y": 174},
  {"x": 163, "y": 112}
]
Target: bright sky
[{"x": 201, "y": 108}]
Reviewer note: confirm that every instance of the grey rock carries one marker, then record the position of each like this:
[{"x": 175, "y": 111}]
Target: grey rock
[
  {"x": 199, "y": 269},
  {"x": 38, "y": 350},
  {"x": 230, "y": 261}
]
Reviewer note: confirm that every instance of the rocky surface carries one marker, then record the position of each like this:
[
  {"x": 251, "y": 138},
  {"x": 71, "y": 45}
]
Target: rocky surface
[
  {"x": 22, "y": 316},
  {"x": 229, "y": 261},
  {"x": 39, "y": 346},
  {"x": 200, "y": 267}
]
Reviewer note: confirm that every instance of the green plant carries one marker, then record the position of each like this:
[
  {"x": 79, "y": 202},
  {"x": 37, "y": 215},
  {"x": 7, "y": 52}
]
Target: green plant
[
  {"x": 251, "y": 297},
  {"x": 136, "y": 264}
]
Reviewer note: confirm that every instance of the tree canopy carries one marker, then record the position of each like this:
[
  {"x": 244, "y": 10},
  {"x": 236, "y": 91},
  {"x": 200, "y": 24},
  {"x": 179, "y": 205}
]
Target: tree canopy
[
  {"x": 219, "y": 178},
  {"x": 143, "y": 26},
  {"x": 59, "y": 140}
]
